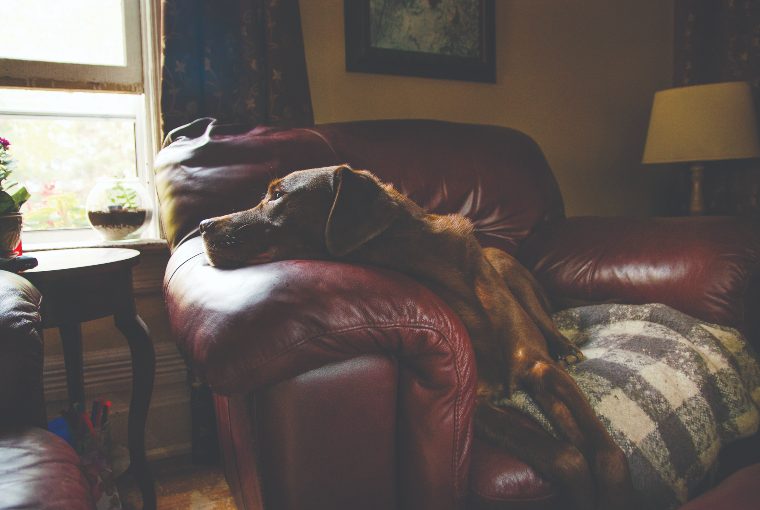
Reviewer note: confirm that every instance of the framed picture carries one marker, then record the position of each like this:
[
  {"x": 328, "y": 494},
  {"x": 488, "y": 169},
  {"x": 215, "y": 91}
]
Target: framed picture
[{"x": 451, "y": 39}]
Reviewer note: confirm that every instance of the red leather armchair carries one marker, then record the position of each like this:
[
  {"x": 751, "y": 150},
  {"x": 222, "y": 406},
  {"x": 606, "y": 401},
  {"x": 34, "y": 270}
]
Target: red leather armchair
[
  {"x": 343, "y": 386},
  {"x": 37, "y": 468}
]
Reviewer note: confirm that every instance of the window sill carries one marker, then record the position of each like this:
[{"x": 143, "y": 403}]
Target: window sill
[
  {"x": 142, "y": 245},
  {"x": 44, "y": 240}
]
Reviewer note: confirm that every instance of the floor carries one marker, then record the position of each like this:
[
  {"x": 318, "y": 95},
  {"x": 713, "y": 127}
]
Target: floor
[{"x": 181, "y": 485}]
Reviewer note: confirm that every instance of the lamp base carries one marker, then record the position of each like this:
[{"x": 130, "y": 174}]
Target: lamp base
[{"x": 696, "y": 204}]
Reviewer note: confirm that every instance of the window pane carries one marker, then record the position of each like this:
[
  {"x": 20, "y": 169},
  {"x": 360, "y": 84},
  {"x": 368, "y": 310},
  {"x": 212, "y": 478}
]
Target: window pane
[
  {"x": 60, "y": 159},
  {"x": 65, "y": 103},
  {"x": 74, "y": 31}
]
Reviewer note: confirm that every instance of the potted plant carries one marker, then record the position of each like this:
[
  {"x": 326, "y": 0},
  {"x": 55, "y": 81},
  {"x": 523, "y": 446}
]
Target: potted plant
[
  {"x": 116, "y": 208},
  {"x": 12, "y": 197}
]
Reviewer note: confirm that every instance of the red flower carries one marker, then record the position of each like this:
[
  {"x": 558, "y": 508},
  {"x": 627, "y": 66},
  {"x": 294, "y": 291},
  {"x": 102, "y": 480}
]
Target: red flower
[{"x": 4, "y": 142}]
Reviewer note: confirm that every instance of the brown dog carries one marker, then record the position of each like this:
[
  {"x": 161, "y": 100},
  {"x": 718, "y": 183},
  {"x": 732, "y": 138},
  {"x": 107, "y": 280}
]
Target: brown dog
[{"x": 340, "y": 214}]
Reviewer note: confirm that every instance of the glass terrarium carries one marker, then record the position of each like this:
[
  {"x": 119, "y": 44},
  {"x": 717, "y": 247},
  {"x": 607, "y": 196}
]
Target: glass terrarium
[{"x": 118, "y": 208}]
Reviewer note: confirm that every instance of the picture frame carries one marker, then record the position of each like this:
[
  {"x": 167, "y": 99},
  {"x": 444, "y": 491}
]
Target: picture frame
[{"x": 448, "y": 39}]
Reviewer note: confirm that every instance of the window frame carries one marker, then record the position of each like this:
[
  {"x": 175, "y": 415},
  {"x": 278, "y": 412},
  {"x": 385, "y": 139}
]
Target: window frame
[
  {"x": 128, "y": 78},
  {"x": 141, "y": 75}
]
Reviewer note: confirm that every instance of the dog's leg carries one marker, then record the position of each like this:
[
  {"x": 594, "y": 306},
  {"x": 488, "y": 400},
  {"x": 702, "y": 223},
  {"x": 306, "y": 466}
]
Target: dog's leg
[
  {"x": 562, "y": 401},
  {"x": 534, "y": 301},
  {"x": 558, "y": 461},
  {"x": 530, "y": 366}
]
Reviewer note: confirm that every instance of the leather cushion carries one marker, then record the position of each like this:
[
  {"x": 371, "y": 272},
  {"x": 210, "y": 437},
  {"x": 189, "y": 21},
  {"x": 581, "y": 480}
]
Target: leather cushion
[
  {"x": 495, "y": 176},
  {"x": 21, "y": 400},
  {"x": 705, "y": 267},
  {"x": 498, "y": 480},
  {"x": 40, "y": 470},
  {"x": 740, "y": 491}
]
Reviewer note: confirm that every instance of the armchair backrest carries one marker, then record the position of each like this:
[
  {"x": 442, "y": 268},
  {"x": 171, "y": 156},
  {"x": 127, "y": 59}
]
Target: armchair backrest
[{"x": 498, "y": 177}]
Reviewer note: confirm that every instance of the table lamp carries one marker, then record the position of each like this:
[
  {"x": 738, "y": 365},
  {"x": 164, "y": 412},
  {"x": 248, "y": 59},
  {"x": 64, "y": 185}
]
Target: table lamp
[{"x": 702, "y": 123}]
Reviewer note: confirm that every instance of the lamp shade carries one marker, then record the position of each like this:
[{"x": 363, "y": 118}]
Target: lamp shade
[{"x": 702, "y": 123}]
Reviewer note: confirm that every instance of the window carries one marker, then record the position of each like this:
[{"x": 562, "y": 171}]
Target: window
[{"x": 78, "y": 103}]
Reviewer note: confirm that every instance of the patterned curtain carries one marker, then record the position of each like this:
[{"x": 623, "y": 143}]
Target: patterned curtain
[
  {"x": 236, "y": 60},
  {"x": 719, "y": 40}
]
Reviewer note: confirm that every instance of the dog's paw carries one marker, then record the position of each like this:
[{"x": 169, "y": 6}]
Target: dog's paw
[
  {"x": 571, "y": 359},
  {"x": 563, "y": 350}
]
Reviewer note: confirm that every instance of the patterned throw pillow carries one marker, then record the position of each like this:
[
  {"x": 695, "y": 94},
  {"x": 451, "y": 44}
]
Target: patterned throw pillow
[{"x": 671, "y": 390}]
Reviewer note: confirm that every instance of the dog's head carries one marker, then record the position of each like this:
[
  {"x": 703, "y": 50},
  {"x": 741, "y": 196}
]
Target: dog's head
[{"x": 320, "y": 213}]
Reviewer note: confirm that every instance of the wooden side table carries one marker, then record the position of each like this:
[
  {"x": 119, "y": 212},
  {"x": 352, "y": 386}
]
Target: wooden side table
[{"x": 80, "y": 285}]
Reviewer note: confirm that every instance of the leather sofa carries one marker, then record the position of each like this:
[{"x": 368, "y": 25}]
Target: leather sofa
[
  {"x": 37, "y": 468},
  {"x": 345, "y": 386}
]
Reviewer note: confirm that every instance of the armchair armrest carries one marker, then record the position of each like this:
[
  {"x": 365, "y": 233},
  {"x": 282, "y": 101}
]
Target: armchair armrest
[
  {"x": 247, "y": 329},
  {"x": 21, "y": 391},
  {"x": 707, "y": 267}
]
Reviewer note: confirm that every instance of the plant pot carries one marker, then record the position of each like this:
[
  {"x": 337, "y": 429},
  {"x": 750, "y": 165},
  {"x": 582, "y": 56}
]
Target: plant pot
[
  {"x": 118, "y": 208},
  {"x": 116, "y": 224},
  {"x": 10, "y": 233}
]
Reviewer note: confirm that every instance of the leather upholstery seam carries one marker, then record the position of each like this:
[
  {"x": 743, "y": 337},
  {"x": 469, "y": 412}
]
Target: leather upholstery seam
[
  {"x": 322, "y": 137},
  {"x": 457, "y": 421},
  {"x": 37, "y": 322},
  {"x": 169, "y": 280}
]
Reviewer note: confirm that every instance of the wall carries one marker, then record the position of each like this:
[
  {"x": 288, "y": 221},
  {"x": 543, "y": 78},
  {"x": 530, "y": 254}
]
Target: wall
[{"x": 578, "y": 76}]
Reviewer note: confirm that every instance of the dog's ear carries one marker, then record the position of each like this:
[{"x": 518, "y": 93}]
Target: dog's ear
[{"x": 361, "y": 210}]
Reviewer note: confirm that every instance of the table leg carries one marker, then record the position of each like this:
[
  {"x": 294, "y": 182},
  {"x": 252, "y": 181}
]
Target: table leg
[
  {"x": 143, "y": 367},
  {"x": 71, "y": 338}
]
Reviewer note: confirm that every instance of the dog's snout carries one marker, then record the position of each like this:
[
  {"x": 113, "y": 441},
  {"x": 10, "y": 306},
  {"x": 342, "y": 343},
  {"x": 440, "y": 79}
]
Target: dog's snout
[{"x": 205, "y": 226}]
